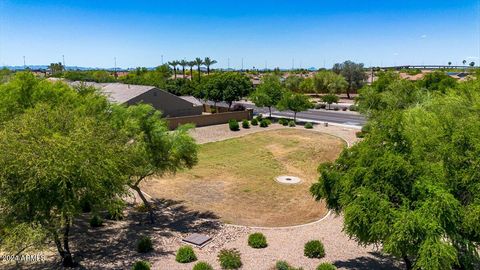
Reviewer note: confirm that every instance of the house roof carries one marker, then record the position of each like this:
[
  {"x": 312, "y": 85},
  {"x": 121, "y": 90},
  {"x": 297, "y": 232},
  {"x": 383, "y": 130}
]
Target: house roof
[
  {"x": 121, "y": 93},
  {"x": 192, "y": 100}
]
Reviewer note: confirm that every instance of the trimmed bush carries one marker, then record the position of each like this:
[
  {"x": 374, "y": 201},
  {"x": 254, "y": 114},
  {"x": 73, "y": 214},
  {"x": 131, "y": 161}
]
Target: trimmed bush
[
  {"x": 202, "y": 266},
  {"x": 291, "y": 123},
  {"x": 141, "y": 265},
  {"x": 254, "y": 122},
  {"x": 264, "y": 123},
  {"x": 185, "y": 254},
  {"x": 229, "y": 259},
  {"x": 283, "y": 265},
  {"x": 144, "y": 244},
  {"x": 326, "y": 266},
  {"x": 259, "y": 117},
  {"x": 335, "y": 108},
  {"x": 245, "y": 124},
  {"x": 213, "y": 110},
  {"x": 257, "y": 240},
  {"x": 308, "y": 125},
  {"x": 344, "y": 108},
  {"x": 269, "y": 122},
  {"x": 314, "y": 249},
  {"x": 96, "y": 221},
  {"x": 86, "y": 206},
  {"x": 353, "y": 108},
  {"x": 233, "y": 125},
  {"x": 283, "y": 121}
]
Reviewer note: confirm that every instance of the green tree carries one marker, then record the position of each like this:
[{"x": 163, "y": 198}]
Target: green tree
[
  {"x": 209, "y": 62},
  {"x": 293, "y": 83},
  {"x": 438, "y": 81},
  {"x": 152, "y": 149},
  {"x": 329, "y": 99},
  {"x": 57, "y": 149},
  {"x": 411, "y": 185},
  {"x": 56, "y": 68},
  {"x": 191, "y": 64},
  {"x": 472, "y": 64},
  {"x": 227, "y": 86},
  {"x": 294, "y": 102},
  {"x": 353, "y": 73},
  {"x": 307, "y": 86},
  {"x": 268, "y": 93},
  {"x": 183, "y": 64}
]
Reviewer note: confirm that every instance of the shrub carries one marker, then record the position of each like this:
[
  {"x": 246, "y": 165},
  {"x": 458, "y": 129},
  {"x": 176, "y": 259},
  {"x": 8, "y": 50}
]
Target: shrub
[
  {"x": 269, "y": 122},
  {"x": 141, "y": 265},
  {"x": 344, "y": 108},
  {"x": 96, "y": 221},
  {"x": 239, "y": 107},
  {"x": 308, "y": 125},
  {"x": 291, "y": 123},
  {"x": 229, "y": 259},
  {"x": 233, "y": 125},
  {"x": 86, "y": 206},
  {"x": 254, "y": 122},
  {"x": 283, "y": 265},
  {"x": 185, "y": 254},
  {"x": 245, "y": 124},
  {"x": 213, "y": 110},
  {"x": 326, "y": 266},
  {"x": 335, "y": 109},
  {"x": 263, "y": 123},
  {"x": 259, "y": 117},
  {"x": 353, "y": 108},
  {"x": 257, "y": 240},
  {"x": 314, "y": 249},
  {"x": 202, "y": 266},
  {"x": 283, "y": 121},
  {"x": 115, "y": 212},
  {"x": 144, "y": 244},
  {"x": 142, "y": 208}
]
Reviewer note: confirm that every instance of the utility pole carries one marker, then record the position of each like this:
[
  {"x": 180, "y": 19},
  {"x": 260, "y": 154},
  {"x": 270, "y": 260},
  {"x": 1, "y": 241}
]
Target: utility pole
[
  {"x": 242, "y": 64},
  {"x": 63, "y": 60},
  {"x": 162, "y": 59},
  {"x": 24, "y": 65},
  {"x": 265, "y": 65},
  {"x": 293, "y": 63},
  {"x": 115, "y": 67},
  {"x": 228, "y": 63}
]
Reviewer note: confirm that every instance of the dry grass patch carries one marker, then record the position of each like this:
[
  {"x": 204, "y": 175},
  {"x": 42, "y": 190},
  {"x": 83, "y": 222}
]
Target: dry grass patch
[{"x": 235, "y": 178}]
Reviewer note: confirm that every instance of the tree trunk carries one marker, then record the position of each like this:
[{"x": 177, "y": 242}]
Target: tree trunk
[
  {"x": 199, "y": 74},
  {"x": 215, "y": 106},
  {"x": 183, "y": 71},
  {"x": 349, "y": 89},
  {"x": 208, "y": 70},
  {"x": 191, "y": 73},
  {"x": 64, "y": 251},
  {"x": 408, "y": 263},
  {"x": 151, "y": 214},
  {"x": 270, "y": 111},
  {"x": 229, "y": 105},
  {"x": 175, "y": 72},
  {"x": 295, "y": 117}
]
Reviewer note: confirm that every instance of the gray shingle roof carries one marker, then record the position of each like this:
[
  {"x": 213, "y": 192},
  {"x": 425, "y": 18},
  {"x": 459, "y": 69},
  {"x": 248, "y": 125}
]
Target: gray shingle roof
[{"x": 121, "y": 93}]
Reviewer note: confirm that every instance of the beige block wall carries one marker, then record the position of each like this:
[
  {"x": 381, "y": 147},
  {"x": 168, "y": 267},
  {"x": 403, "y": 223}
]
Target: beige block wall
[{"x": 209, "y": 119}]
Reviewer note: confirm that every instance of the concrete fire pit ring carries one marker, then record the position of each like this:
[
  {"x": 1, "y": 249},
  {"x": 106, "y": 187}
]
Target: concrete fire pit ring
[{"x": 288, "y": 180}]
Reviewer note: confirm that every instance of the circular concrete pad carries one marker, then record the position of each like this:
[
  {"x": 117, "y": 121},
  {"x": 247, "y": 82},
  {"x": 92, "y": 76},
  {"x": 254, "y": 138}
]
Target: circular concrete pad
[{"x": 289, "y": 180}]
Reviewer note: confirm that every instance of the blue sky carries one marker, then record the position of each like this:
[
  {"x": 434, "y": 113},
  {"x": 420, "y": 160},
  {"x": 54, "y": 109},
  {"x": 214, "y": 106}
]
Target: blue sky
[{"x": 276, "y": 33}]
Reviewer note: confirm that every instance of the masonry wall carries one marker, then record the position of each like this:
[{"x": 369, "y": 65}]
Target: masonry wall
[{"x": 209, "y": 119}]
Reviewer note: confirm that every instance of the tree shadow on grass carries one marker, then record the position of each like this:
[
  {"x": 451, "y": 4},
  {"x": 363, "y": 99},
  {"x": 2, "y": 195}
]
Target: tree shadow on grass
[
  {"x": 376, "y": 261},
  {"x": 113, "y": 245}
]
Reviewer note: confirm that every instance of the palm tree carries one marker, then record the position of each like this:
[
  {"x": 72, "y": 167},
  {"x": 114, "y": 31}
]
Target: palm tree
[
  {"x": 208, "y": 62},
  {"x": 174, "y": 65},
  {"x": 198, "y": 63},
  {"x": 183, "y": 63},
  {"x": 464, "y": 62},
  {"x": 449, "y": 63},
  {"x": 191, "y": 64}
]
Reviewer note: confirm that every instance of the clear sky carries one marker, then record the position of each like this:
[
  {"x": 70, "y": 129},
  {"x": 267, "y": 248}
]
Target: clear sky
[{"x": 276, "y": 33}]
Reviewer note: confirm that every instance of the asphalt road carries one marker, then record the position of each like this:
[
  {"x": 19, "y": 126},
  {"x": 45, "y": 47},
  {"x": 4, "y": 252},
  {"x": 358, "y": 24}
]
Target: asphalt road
[{"x": 338, "y": 117}]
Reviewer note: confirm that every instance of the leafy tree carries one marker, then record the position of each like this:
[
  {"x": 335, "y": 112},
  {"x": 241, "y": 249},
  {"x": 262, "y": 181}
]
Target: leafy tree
[
  {"x": 268, "y": 93},
  {"x": 353, "y": 73},
  {"x": 329, "y": 99},
  {"x": 174, "y": 65},
  {"x": 152, "y": 150},
  {"x": 56, "y": 68},
  {"x": 472, "y": 64},
  {"x": 293, "y": 83},
  {"x": 464, "y": 62},
  {"x": 307, "y": 86},
  {"x": 449, "y": 63},
  {"x": 208, "y": 62},
  {"x": 57, "y": 149},
  {"x": 228, "y": 87},
  {"x": 411, "y": 185},
  {"x": 329, "y": 82},
  {"x": 294, "y": 102},
  {"x": 438, "y": 81}
]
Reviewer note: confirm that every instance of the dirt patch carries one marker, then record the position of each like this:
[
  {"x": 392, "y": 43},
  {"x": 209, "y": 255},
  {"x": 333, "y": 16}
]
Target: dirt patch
[{"x": 234, "y": 178}]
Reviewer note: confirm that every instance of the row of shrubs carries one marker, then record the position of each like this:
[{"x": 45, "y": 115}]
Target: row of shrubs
[
  {"x": 352, "y": 108},
  {"x": 231, "y": 258},
  {"x": 235, "y": 126}
]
